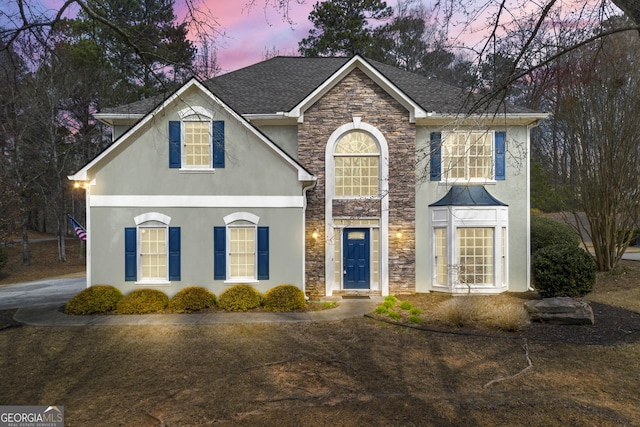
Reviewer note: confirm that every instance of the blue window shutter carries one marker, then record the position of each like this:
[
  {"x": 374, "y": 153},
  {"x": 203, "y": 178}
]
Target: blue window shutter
[
  {"x": 174, "y": 253},
  {"x": 436, "y": 156},
  {"x": 218, "y": 144},
  {"x": 263, "y": 253},
  {"x": 174, "y": 145},
  {"x": 130, "y": 256},
  {"x": 219, "y": 253},
  {"x": 500, "y": 156}
]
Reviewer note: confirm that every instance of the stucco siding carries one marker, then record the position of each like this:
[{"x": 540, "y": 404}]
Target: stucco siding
[
  {"x": 196, "y": 226},
  {"x": 140, "y": 165},
  {"x": 513, "y": 191}
]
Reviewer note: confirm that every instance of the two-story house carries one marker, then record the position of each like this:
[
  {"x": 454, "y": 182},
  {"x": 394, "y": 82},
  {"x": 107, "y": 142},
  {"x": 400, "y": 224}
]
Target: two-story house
[{"x": 337, "y": 175}]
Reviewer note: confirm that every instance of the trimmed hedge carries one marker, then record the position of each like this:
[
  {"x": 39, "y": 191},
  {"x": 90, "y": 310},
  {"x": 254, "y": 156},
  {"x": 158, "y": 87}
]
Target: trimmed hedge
[
  {"x": 192, "y": 298},
  {"x": 546, "y": 232},
  {"x": 96, "y": 299},
  {"x": 143, "y": 301},
  {"x": 284, "y": 298},
  {"x": 563, "y": 271},
  {"x": 239, "y": 298}
]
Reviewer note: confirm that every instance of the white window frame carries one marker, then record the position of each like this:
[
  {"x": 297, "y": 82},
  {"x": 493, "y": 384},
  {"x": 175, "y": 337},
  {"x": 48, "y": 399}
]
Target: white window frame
[
  {"x": 453, "y": 218},
  {"x": 195, "y": 113},
  {"x": 377, "y": 155},
  {"x": 248, "y": 221},
  {"x": 183, "y": 145},
  {"x": 150, "y": 220},
  {"x": 445, "y": 167}
]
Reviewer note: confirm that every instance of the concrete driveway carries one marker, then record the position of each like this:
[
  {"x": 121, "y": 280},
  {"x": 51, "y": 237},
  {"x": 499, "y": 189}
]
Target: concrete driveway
[{"x": 42, "y": 292}]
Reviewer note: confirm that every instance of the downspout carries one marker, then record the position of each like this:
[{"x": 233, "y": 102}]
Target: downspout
[
  {"x": 304, "y": 236},
  {"x": 87, "y": 257}
]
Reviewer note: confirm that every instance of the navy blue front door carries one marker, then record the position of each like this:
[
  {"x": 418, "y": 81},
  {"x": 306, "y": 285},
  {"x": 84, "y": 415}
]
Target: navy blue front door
[{"x": 356, "y": 256}]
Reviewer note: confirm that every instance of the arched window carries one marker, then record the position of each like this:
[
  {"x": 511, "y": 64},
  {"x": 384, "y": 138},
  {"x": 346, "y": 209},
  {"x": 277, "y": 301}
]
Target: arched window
[{"x": 357, "y": 165}]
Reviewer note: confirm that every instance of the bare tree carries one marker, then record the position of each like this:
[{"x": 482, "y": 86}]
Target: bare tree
[{"x": 597, "y": 115}]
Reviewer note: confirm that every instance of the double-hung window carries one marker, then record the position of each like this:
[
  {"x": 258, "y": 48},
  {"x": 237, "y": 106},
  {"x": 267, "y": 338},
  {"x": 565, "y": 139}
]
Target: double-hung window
[
  {"x": 241, "y": 249},
  {"x": 467, "y": 156},
  {"x": 153, "y": 253},
  {"x": 197, "y": 143},
  {"x": 242, "y": 252},
  {"x": 152, "y": 250}
]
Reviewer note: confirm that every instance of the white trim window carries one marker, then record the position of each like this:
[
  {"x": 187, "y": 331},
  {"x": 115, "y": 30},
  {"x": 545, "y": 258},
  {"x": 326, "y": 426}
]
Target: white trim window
[
  {"x": 241, "y": 249},
  {"x": 153, "y": 252},
  {"x": 197, "y": 144},
  {"x": 469, "y": 249},
  {"x": 357, "y": 165},
  {"x": 196, "y": 141},
  {"x": 475, "y": 255},
  {"x": 242, "y": 252},
  {"x": 467, "y": 156}
]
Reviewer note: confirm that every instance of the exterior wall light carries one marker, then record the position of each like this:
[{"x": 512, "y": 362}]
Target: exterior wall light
[
  {"x": 399, "y": 234},
  {"x": 82, "y": 184},
  {"x": 315, "y": 234}
]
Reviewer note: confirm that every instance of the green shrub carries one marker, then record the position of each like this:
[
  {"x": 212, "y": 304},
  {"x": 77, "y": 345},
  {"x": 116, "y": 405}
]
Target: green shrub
[
  {"x": 382, "y": 309},
  {"x": 415, "y": 311},
  {"x": 546, "y": 232},
  {"x": 192, "y": 298},
  {"x": 142, "y": 301},
  {"x": 284, "y": 298},
  {"x": 96, "y": 299},
  {"x": 394, "y": 315},
  {"x": 4, "y": 257},
  {"x": 415, "y": 319},
  {"x": 406, "y": 305},
  {"x": 563, "y": 271},
  {"x": 239, "y": 298},
  {"x": 390, "y": 301}
]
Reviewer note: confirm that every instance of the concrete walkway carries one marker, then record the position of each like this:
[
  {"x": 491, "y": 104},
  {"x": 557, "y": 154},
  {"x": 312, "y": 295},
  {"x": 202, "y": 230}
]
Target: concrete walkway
[
  {"x": 39, "y": 303},
  {"x": 50, "y": 315}
]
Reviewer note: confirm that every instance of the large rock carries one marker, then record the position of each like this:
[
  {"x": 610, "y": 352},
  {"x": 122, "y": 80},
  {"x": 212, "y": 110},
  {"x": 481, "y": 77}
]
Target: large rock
[{"x": 560, "y": 310}]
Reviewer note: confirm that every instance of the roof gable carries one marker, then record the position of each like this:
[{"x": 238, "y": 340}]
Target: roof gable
[
  {"x": 83, "y": 174},
  {"x": 357, "y": 62},
  {"x": 283, "y": 87}
]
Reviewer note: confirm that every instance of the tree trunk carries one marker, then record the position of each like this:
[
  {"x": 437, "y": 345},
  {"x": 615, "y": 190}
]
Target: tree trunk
[
  {"x": 26, "y": 253},
  {"x": 62, "y": 249}
]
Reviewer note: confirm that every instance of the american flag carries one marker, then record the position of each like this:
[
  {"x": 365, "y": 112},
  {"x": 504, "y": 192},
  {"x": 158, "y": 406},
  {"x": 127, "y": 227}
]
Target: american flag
[{"x": 81, "y": 232}]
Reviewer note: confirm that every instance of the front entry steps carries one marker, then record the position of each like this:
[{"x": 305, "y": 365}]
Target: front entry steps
[{"x": 352, "y": 295}]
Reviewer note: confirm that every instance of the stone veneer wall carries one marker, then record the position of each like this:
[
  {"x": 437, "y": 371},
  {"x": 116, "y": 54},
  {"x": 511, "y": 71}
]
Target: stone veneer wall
[{"x": 357, "y": 95}]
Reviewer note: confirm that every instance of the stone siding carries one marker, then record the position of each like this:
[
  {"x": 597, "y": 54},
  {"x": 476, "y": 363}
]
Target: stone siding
[{"x": 358, "y": 96}]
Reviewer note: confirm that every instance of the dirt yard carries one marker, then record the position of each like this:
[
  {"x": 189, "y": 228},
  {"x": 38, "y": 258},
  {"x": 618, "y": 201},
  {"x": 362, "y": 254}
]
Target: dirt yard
[{"x": 358, "y": 372}]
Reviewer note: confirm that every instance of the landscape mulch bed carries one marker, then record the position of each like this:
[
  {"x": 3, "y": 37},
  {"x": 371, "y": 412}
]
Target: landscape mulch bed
[{"x": 613, "y": 326}]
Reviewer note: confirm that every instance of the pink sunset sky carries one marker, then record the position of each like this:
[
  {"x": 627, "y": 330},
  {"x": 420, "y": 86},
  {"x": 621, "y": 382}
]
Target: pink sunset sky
[{"x": 248, "y": 32}]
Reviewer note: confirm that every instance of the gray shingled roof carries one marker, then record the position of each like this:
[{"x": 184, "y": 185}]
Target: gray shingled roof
[{"x": 280, "y": 83}]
